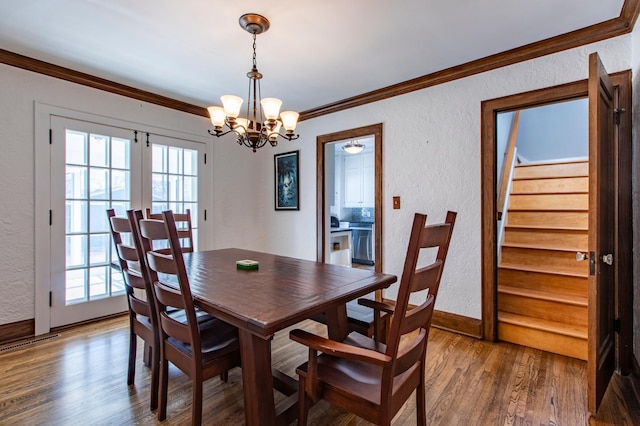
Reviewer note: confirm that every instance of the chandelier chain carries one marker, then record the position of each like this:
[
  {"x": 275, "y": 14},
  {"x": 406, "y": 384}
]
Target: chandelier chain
[{"x": 254, "y": 51}]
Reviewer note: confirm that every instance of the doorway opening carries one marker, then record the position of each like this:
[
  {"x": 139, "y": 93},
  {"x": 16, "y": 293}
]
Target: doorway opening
[
  {"x": 542, "y": 208},
  {"x": 349, "y": 194},
  {"x": 618, "y": 182}
]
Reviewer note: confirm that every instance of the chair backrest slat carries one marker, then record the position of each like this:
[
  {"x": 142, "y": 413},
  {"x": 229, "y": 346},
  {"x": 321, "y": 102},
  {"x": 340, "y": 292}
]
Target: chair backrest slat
[
  {"x": 427, "y": 278},
  {"x": 162, "y": 263},
  {"x": 184, "y": 226},
  {"x": 409, "y": 355},
  {"x": 418, "y": 317},
  {"x": 435, "y": 235},
  {"x": 140, "y": 307}
]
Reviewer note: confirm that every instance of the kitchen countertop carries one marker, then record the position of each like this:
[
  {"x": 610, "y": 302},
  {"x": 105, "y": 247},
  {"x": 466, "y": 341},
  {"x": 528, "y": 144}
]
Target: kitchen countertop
[{"x": 339, "y": 230}]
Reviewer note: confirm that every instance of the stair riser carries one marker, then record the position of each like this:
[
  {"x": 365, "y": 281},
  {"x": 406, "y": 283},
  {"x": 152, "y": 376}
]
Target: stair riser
[
  {"x": 551, "y": 186},
  {"x": 552, "y": 170},
  {"x": 550, "y": 260},
  {"x": 549, "y": 202},
  {"x": 544, "y": 309},
  {"x": 550, "y": 219},
  {"x": 546, "y": 341},
  {"x": 568, "y": 240},
  {"x": 543, "y": 282}
]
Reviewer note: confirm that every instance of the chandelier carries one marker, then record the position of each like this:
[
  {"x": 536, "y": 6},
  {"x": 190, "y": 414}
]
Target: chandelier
[{"x": 261, "y": 124}]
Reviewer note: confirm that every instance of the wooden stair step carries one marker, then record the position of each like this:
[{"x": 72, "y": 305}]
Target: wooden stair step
[
  {"x": 560, "y": 260},
  {"x": 544, "y": 269},
  {"x": 521, "y": 303},
  {"x": 547, "y": 246},
  {"x": 563, "y": 219},
  {"x": 566, "y": 298},
  {"x": 543, "y": 340},
  {"x": 557, "y": 239},
  {"x": 577, "y": 331},
  {"x": 543, "y": 281},
  {"x": 551, "y": 185},
  {"x": 561, "y": 169},
  {"x": 549, "y": 202},
  {"x": 547, "y": 227}
]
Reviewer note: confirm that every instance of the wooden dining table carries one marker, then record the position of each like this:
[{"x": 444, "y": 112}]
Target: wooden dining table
[{"x": 282, "y": 292}]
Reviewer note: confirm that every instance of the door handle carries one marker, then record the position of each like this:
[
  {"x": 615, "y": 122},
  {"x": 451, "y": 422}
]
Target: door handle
[
  {"x": 591, "y": 257},
  {"x": 608, "y": 259}
]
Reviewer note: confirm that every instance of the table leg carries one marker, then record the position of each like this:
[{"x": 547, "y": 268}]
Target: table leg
[
  {"x": 337, "y": 322},
  {"x": 257, "y": 379}
]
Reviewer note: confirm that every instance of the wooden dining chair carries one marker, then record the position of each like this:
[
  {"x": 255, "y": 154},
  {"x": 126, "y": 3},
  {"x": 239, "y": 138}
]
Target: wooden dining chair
[
  {"x": 142, "y": 317},
  {"x": 200, "y": 350},
  {"x": 370, "y": 378},
  {"x": 184, "y": 227}
]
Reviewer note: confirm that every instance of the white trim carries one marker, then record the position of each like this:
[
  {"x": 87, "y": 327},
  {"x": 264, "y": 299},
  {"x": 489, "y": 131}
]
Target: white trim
[{"x": 42, "y": 200}]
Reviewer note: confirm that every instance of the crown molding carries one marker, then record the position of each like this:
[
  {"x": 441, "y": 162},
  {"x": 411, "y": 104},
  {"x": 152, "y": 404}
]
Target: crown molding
[{"x": 56, "y": 71}]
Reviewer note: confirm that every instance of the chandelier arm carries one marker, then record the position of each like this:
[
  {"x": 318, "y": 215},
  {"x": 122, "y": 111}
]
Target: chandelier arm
[
  {"x": 220, "y": 133},
  {"x": 289, "y": 137}
]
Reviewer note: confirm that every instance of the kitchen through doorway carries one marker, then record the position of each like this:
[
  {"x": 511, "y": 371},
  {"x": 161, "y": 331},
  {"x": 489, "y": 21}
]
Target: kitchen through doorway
[{"x": 349, "y": 198}]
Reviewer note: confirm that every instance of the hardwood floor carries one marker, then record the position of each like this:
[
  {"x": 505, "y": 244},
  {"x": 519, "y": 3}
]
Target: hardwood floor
[{"x": 79, "y": 378}]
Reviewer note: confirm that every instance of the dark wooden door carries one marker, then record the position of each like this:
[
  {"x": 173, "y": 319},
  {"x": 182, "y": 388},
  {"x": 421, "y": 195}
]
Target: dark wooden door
[{"x": 602, "y": 199}]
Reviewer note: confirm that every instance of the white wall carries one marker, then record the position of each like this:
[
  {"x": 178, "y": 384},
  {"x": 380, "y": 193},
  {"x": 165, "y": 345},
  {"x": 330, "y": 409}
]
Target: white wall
[
  {"x": 431, "y": 146},
  {"x": 236, "y": 221}
]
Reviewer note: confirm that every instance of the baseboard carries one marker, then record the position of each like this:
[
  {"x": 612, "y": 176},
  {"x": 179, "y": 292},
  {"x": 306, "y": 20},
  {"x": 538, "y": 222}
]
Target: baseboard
[
  {"x": 634, "y": 377},
  {"x": 17, "y": 330},
  {"x": 457, "y": 323}
]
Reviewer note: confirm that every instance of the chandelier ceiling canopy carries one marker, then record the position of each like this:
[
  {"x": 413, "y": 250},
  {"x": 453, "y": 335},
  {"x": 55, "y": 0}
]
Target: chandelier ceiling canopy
[{"x": 261, "y": 124}]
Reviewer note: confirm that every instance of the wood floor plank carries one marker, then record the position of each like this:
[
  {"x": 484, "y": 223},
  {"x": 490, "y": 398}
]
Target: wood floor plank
[{"x": 79, "y": 378}]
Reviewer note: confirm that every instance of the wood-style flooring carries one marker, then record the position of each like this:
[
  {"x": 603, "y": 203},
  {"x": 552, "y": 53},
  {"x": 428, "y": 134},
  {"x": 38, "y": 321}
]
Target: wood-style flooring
[{"x": 79, "y": 378}]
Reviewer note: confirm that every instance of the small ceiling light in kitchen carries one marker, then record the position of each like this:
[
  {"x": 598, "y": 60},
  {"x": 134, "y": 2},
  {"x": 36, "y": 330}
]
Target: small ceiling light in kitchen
[
  {"x": 261, "y": 124},
  {"x": 353, "y": 147}
]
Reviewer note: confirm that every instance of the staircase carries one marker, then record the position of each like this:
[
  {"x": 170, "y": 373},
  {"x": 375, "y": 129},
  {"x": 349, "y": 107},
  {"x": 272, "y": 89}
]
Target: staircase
[{"x": 542, "y": 289}]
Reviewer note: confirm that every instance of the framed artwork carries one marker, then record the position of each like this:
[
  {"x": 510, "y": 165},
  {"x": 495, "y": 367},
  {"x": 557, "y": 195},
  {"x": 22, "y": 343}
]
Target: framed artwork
[{"x": 287, "y": 188}]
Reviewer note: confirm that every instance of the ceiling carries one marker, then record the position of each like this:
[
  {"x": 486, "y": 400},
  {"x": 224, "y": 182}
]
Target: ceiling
[{"x": 315, "y": 53}]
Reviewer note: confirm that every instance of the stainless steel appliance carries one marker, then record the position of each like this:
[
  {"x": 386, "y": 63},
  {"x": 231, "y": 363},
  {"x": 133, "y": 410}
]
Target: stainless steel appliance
[{"x": 362, "y": 240}]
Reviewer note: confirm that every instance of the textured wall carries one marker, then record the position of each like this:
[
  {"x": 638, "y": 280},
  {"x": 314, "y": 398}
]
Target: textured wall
[{"x": 432, "y": 160}]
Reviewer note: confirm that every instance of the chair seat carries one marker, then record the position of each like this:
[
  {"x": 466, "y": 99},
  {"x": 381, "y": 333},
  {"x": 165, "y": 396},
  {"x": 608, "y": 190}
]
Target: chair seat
[
  {"x": 358, "y": 379},
  {"x": 217, "y": 338},
  {"x": 180, "y": 316}
]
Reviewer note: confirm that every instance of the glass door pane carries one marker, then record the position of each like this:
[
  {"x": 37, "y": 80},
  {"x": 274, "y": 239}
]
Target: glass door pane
[
  {"x": 91, "y": 171},
  {"x": 174, "y": 180}
]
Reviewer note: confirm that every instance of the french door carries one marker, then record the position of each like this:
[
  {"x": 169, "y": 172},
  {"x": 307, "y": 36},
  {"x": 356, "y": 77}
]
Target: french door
[{"x": 93, "y": 168}]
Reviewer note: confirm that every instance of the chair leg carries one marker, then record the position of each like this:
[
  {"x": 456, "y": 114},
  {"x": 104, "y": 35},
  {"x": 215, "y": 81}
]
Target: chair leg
[
  {"x": 133, "y": 343},
  {"x": 303, "y": 402},
  {"x": 155, "y": 372},
  {"x": 196, "y": 403},
  {"x": 162, "y": 391},
  {"x": 224, "y": 376},
  {"x": 421, "y": 401},
  {"x": 148, "y": 354}
]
